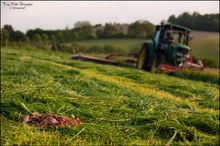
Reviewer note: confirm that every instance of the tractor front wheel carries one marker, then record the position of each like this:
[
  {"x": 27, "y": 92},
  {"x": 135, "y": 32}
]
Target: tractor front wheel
[{"x": 144, "y": 60}]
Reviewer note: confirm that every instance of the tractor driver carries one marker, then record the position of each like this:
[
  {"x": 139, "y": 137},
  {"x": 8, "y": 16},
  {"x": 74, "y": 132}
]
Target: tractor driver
[{"x": 169, "y": 39}]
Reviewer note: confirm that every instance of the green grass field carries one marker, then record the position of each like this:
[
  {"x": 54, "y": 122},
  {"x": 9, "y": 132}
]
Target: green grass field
[{"x": 117, "y": 105}]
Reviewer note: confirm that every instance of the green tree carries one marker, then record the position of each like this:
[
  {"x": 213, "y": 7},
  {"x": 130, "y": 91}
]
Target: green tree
[
  {"x": 172, "y": 19},
  {"x": 4, "y": 37},
  {"x": 36, "y": 40},
  {"x": 109, "y": 30},
  {"x": 52, "y": 37},
  {"x": 31, "y": 32},
  {"x": 9, "y": 29},
  {"x": 75, "y": 36},
  {"x": 45, "y": 38},
  {"x": 17, "y": 36},
  {"x": 84, "y": 30},
  {"x": 81, "y": 24},
  {"x": 99, "y": 33},
  {"x": 67, "y": 34},
  {"x": 195, "y": 21},
  {"x": 27, "y": 40},
  {"x": 141, "y": 29},
  {"x": 60, "y": 36}
]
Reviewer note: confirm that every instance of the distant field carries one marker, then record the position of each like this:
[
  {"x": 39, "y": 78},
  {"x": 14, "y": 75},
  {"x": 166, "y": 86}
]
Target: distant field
[
  {"x": 206, "y": 48},
  {"x": 121, "y": 43},
  {"x": 124, "y": 44},
  {"x": 201, "y": 34}
]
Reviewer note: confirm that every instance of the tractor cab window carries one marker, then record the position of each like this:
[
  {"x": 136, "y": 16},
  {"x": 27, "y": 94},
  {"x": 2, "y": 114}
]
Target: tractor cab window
[
  {"x": 182, "y": 38},
  {"x": 167, "y": 37},
  {"x": 176, "y": 36}
]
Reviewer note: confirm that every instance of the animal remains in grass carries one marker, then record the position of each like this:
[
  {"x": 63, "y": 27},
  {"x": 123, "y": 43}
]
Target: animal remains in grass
[{"x": 46, "y": 120}]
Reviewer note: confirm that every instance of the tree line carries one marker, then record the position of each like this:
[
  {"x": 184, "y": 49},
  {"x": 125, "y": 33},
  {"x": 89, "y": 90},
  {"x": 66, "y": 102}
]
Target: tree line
[
  {"x": 83, "y": 30},
  {"x": 196, "y": 21}
]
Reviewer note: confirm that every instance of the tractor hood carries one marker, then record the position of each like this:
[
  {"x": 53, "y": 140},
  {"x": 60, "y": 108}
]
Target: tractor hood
[{"x": 176, "y": 45}]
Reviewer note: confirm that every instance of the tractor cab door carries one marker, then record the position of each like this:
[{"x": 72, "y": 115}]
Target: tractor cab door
[{"x": 157, "y": 36}]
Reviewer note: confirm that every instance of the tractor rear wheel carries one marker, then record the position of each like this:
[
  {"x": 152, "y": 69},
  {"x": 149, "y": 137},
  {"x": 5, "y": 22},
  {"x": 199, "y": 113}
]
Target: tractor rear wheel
[{"x": 144, "y": 60}]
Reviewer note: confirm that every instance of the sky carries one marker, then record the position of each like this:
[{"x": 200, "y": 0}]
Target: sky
[{"x": 52, "y": 15}]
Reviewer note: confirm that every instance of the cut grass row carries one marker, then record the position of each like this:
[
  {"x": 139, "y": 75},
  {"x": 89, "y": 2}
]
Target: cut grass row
[{"x": 117, "y": 105}]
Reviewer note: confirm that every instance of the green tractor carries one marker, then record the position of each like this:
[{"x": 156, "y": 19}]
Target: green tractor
[
  {"x": 168, "y": 51},
  {"x": 169, "y": 47}
]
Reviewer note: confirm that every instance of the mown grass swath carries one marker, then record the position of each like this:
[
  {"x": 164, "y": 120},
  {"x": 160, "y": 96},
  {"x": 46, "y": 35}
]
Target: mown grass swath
[{"x": 118, "y": 105}]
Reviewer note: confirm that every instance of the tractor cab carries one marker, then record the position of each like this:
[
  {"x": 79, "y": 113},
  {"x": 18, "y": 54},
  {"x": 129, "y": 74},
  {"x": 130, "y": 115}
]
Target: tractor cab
[
  {"x": 168, "y": 46},
  {"x": 173, "y": 44},
  {"x": 180, "y": 34}
]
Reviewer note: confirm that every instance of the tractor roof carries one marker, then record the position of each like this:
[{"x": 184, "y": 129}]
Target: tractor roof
[{"x": 177, "y": 27}]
